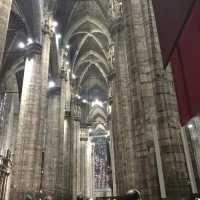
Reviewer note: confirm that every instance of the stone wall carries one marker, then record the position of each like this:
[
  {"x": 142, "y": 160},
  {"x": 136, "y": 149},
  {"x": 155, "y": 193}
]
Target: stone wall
[{"x": 149, "y": 101}]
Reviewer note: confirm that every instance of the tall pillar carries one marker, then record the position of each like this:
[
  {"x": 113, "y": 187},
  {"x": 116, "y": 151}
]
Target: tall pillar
[
  {"x": 66, "y": 123},
  {"x": 68, "y": 154},
  {"x": 47, "y": 31},
  {"x": 5, "y": 8},
  {"x": 117, "y": 141},
  {"x": 63, "y": 137},
  {"x": 90, "y": 170},
  {"x": 30, "y": 136},
  {"x": 155, "y": 116},
  {"x": 56, "y": 144},
  {"x": 27, "y": 161},
  {"x": 52, "y": 143},
  {"x": 112, "y": 152},
  {"x": 122, "y": 98},
  {"x": 68, "y": 140},
  {"x": 76, "y": 147},
  {"x": 54, "y": 171},
  {"x": 83, "y": 161}
]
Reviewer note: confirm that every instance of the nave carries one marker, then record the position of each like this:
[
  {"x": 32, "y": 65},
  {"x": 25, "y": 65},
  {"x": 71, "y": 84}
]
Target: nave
[{"x": 87, "y": 110}]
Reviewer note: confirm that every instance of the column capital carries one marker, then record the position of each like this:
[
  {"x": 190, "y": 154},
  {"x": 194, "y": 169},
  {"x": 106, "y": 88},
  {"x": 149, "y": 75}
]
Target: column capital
[
  {"x": 33, "y": 49},
  {"x": 63, "y": 74},
  {"x": 116, "y": 8},
  {"x": 47, "y": 26}
]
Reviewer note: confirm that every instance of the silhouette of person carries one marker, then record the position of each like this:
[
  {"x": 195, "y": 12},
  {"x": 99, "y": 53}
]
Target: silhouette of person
[{"x": 132, "y": 195}]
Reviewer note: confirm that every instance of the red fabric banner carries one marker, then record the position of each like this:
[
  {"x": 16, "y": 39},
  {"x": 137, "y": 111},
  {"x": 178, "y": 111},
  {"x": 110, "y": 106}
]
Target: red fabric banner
[
  {"x": 171, "y": 15},
  {"x": 186, "y": 68}
]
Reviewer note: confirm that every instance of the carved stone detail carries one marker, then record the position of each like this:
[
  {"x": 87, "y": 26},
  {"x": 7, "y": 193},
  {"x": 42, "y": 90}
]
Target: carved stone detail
[
  {"x": 116, "y": 8},
  {"x": 47, "y": 26}
]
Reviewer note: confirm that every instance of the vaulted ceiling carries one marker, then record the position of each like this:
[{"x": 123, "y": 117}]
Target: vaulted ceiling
[{"x": 84, "y": 25}]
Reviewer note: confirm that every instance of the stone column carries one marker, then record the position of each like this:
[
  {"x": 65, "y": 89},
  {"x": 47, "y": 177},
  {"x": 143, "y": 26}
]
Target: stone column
[
  {"x": 122, "y": 98},
  {"x": 76, "y": 147},
  {"x": 118, "y": 152},
  {"x": 63, "y": 134},
  {"x": 54, "y": 162},
  {"x": 68, "y": 140},
  {"x": 66, "y": 123},
  {"x": 154, "y": 107},
  {"x": 5, "y": 8},
  {"x": 112, "y": 153},
  {"x": 90, "y": 173},
  {"x": 27, "y": 162},
  {"x": 83, "y": 161},
  {"x": 90, "y": 170},
  {"x": 47, "y": 31},
  {"x": 68, "y": 154},
  {"x": 52, "y": 153}
]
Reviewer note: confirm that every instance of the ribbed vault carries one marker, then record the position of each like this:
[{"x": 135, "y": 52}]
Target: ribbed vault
[{"x": 86, "y": 32}]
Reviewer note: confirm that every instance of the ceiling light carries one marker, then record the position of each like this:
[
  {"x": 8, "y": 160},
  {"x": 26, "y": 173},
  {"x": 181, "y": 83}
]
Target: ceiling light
[
  {"x": 67, "y": 46},
  {"x": 67, "y": 63},
  {"x": 73, "y": 76},
  {"x": 29, "y": 41},
  {"x": 21, "y": 45},
  {"x": 51, "y": 84},
  {"x": 84, "y": 101}
]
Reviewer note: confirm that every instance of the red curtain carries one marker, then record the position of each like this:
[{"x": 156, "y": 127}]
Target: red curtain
[
  {"x": 171, "y": 15},
  {"x": 186, "y": 68}
]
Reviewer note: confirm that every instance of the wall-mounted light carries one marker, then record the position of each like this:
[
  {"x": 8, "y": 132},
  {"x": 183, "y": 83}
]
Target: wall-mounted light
[
  {"x": 58, "y": 36},
  {"x": 77, "y": 96},
  {"x": 84, "y": 101},
  {"x": 51, "y": 84},
  {"x": 90, "y": 130},
  {"x": 21, "y": 45},
  {"x": 190, "y": 126},
  {"x": 29, "y": 41}
]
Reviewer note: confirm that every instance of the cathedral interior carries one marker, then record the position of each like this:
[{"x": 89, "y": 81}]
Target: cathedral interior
[{"x": 87, "y": 109}]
